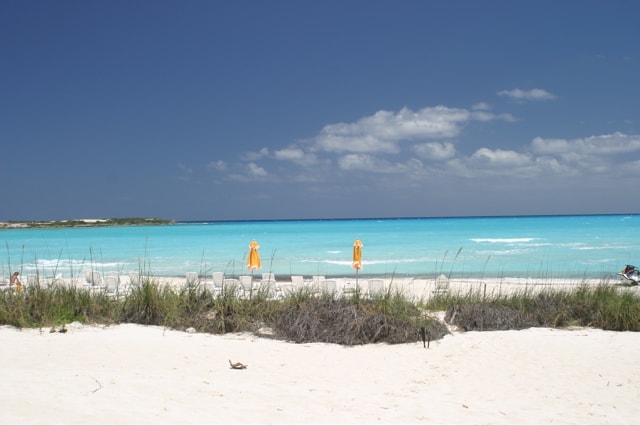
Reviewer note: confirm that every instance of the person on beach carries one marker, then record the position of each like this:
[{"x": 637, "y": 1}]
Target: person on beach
[{"x": 15, "y": 281}]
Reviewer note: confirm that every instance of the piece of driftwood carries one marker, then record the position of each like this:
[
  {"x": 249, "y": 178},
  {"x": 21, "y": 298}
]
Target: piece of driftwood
[{"x": 237, "y": 365}]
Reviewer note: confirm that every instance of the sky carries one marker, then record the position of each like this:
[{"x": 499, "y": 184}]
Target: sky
[{"x": 271, "y": 110}]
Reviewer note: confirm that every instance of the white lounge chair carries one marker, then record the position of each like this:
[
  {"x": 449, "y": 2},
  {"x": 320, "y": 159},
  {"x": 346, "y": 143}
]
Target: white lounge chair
[
  {"x": 269, "y": 285},
  {"x": 192, "y": 278},
  {"x": 298, "y": 281},
  {"x": 442, "y": 285},
  {"x": 134, "y": 278},
  {"x": 88, "y": 276},
  {"x": 232, "y": 285},
  {"x": 328, "y": 287},
  {"x": 32, "y": 280},
  {"x": 246, "y": 282},
  {"x": 111, "y": 284},
  {"x": 315, "y": 282},
  {"x": 96, "y": 279},
  {"x": 218, "y": 281},
  {"x": 268, "y": 278},
  {"x": 93, "y": 279},
  {"x": 58, "y": 280},
  {"x": 376, "y": 287},
  {"x": 349, "y": 287},
  {"x": 286, "y": 289}
]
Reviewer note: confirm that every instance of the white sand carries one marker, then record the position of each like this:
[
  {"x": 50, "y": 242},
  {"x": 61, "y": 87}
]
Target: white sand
[{"x": 131, "y": 374}]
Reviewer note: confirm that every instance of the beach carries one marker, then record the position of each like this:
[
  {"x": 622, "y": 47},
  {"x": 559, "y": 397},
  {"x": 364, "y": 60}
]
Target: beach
[{"x": 133, "y": 374}]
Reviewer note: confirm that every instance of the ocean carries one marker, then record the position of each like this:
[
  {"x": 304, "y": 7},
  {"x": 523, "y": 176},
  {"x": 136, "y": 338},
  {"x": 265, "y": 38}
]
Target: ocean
[{"x": 590, "y": 246}]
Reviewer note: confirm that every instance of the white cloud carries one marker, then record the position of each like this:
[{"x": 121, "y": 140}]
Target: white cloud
[
  {"x": 392, "y": 149},
  {"x": 256, "y": 171},
  {"x": 500, "y": 157},
  {"x": 377, "y": 165},
  {"x": 291, "y": 154},
  {"x": 616, "y": 143},
  {"x": 435, "y": 150},
  {"x": 357, "y": 162},
  {"x": 481, "y": 106},
  {"x": 296, "y": 155},
  {"x": 254, "y": 156},
  {"x": 385, "y": 130},
  {"x": 218, "y": 165},
  {"x": 336, "y": 142},
  {"x": 528, "y": 95}
]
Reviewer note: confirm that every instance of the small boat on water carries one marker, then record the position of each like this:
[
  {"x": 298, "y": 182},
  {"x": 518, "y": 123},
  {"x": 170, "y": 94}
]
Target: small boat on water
[{"x": 630, "y": 275}]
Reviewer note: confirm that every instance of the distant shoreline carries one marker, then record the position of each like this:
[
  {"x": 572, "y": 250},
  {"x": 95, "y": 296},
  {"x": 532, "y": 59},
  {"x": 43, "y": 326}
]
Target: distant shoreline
[{"x": 81, "y": 223}]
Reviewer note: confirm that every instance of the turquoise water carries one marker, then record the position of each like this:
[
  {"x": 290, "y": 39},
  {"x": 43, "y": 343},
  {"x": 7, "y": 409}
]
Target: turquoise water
[{"x": 520, "y": 246}]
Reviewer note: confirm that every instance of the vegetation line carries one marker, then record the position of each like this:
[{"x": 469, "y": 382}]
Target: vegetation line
[
  {"x": 76, "y": 223},
  {"x": 304, "y": 315}
]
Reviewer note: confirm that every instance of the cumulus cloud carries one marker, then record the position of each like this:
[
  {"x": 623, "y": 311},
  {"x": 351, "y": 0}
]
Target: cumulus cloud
[
  {"x": 256, "y": 171},
  {"x": 254, "y": 156},
  {"x": 421, "y": 147},
  {"x": 527, "y": 95},
  {"x": 435, "y": 150},
  {"x": 373, "y": 164},
  {"x": 357, "y": 162},
  {"x": 383, "y": 131},
  {"x": 500, "y": 157},
  {"x": 616, "y": 143},
  {"x": 334, "y": 141},
  {"x": 296, "y": 155},
  {"x": 291, "y": 154}
]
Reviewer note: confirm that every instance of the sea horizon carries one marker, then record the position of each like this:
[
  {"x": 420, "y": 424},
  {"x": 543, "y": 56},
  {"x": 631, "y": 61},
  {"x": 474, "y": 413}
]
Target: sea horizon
[
  {"x": 393, "y": 218},
  {"x": 195, "y": 221}
]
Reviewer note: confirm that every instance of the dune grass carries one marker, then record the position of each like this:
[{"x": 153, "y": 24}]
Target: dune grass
[{"x": 303, "y": 316}]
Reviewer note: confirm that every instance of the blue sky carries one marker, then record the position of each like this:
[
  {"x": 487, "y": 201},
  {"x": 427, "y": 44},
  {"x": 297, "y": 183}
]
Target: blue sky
[{"x": 249, "y": 110}]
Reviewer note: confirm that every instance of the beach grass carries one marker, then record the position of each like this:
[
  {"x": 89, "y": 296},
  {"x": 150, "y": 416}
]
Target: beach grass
[{"x": 305, "y": 316}]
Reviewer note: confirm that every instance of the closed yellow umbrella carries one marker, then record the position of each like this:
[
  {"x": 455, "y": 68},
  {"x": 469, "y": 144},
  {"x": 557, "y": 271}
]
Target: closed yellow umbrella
[
  {"x": 357, "y": 257},
  {"x": 253, "y": 262}
]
